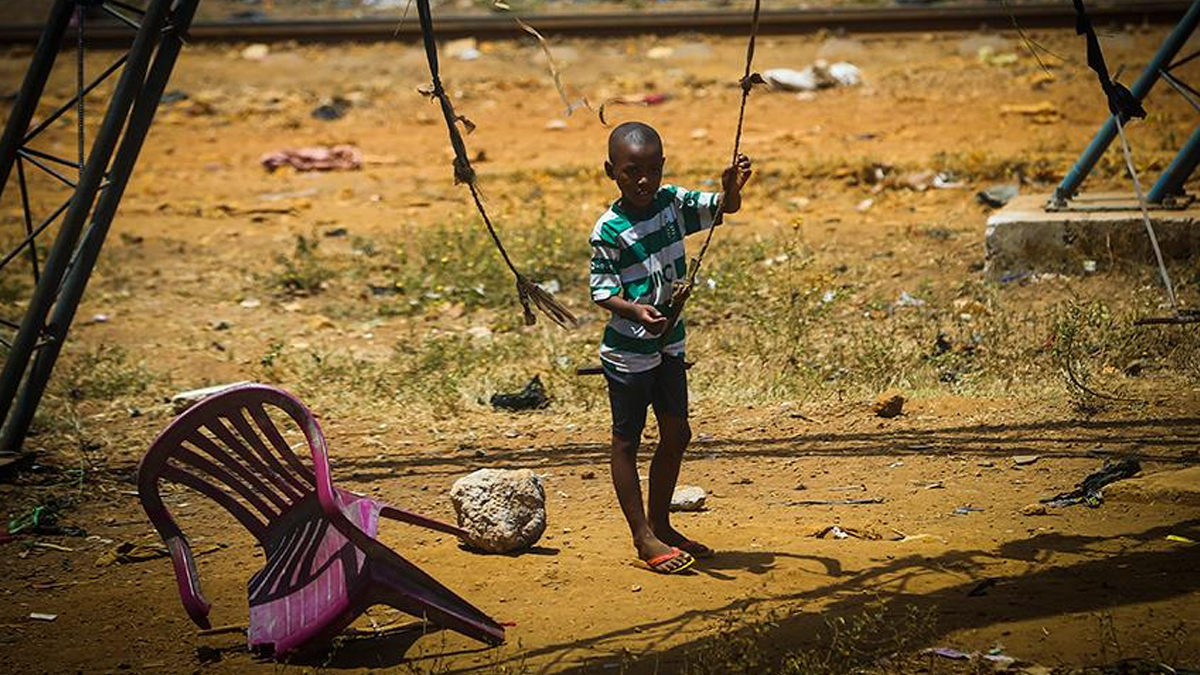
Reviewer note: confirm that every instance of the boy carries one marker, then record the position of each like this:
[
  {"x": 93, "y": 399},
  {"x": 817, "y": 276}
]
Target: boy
[{"x": 637, "y": 252}]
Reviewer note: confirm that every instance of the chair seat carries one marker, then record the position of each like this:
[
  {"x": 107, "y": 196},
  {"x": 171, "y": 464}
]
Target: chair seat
[{"x": 313, "y": 575}]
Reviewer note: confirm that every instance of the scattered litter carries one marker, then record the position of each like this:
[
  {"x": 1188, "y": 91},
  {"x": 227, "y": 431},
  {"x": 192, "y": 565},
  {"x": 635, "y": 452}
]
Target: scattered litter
[
  {"x": 186, "y": 399},
  {"x": 1025, "y": 460},
  {"x": 946, "y": 181},
  {"x": 101, "y": 318},
  {"x": 39, "y": 616},
  {"x": 888, "y": 404},
  {"x": 988, "y": 54},
  {"x": 53, "y": 547},
  {"x": 315, "y": 158},
  {"x": 250, "y": 303},
  {"x": 43, "y": 519},
  {"x": 948, "y": 653},
  {"x": 1044, "y": 112},
  {"x": 1090, "y": 490},
  {"x": 688, "y": 498},
  {"x": 966, "y": 510},
  {"x": 839, "y": 532},
  {"x": 936, "y": 485},
  {"x": 334, "y": 109},
  {"x": 635, "y": 588},
  {"x": 1001, "y": 661},
  {"x": 256, "y": 52},
  {"x": 463, "y": 49},
  {"x": 1180, "y": 538},
  {"x": 836, "y": 502},
  {"x": 133, "y": 552},
  {"x": 556, "y": 125},
  {"x": 646, "y": 100},
  {"x": 865, "y": 205},
  {"x": 997, "y": 195},
  {"x": 532, "y": 397},
  {"x": 908, "y": 300},
  {"x": 659, "y": 53},
  {"x": 173, "y": 96},
  {"x": 845, "y": 74},
  {"x": 820, "y": 75},
  {"x": 699, "y": 134},
  {"x": 1089, "y": 266}
]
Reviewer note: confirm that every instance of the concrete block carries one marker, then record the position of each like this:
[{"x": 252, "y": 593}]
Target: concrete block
[{"x": 1024, "y": 237}]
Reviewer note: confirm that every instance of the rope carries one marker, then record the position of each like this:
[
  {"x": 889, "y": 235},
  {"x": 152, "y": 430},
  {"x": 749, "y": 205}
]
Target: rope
[
  {"x": 748, "y": 81},
  {"x": 528, "y": 292},
  {"x": 682, "y": 289},
  {"x": 1137, "y": 188},
  {"x": 1123, "y": 106},
  {"x": 1121, "y": 101}
]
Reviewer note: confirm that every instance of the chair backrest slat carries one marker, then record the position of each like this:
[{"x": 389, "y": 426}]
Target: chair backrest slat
[
  {"x": 243, "y": 514},
  {"x": 242, "y": 425},
  {"x": 253, "y": 469},
  {"x": 281, "y": 446},
  {"x": 230, "y": 479}
]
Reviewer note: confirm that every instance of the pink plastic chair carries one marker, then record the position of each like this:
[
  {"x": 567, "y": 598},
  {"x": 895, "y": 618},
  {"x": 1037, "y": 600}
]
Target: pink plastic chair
[{"x": 324, "y": 566}]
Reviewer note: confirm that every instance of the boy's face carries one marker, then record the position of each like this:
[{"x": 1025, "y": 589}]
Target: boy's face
[{"x": 637, "y": 169}]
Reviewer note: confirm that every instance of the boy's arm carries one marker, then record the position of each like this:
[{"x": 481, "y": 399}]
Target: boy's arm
[{"x": 732, "y": 181}]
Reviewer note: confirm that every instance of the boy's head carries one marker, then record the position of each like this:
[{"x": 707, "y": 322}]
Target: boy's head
[{"x": 635, "y": 162}]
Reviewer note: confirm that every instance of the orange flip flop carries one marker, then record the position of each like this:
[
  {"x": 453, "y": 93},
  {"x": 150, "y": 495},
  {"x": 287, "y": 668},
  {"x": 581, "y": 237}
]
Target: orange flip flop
[{"x": 658, "y": 563}]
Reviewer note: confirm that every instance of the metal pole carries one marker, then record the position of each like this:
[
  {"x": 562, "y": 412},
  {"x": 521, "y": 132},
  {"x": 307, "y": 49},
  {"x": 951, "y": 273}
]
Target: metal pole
[
  {"x": 1170, "y": 185},
  {"x": 89, "y": 250},
  {"x": 31, "y": 89},
  {"x": 1170, "y": 47},
  {"x": 47, "y": 288}
]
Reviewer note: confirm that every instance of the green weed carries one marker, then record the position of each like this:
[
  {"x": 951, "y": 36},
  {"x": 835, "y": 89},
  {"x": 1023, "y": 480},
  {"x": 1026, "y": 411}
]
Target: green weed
[{"x": 304, "y": 272}]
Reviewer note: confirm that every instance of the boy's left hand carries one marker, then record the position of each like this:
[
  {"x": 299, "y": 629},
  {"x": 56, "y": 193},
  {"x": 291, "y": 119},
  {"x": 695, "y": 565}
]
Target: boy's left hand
[{"x": 736, "y": 175}]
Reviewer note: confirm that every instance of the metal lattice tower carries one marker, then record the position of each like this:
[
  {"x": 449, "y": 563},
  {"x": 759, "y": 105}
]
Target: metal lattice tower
[{"x": 96, "y": 180}]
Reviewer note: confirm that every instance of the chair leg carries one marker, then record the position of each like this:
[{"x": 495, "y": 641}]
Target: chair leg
[
  {"x": 404, "y": 586},
  {"x": 420, "y": 520}
]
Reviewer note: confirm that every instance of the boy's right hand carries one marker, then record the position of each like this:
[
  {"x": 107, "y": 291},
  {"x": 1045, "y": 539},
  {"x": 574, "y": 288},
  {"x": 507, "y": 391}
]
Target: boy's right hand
[{"x": 651, "y": 319}]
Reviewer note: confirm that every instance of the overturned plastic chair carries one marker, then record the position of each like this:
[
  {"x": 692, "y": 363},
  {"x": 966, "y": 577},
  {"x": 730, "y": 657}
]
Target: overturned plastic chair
[{"x": 324, "y": 566}]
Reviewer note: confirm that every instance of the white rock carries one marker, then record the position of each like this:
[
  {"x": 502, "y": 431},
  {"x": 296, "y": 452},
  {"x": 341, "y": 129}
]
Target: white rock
[
  {"x": 502, "y": 510},
  {"x": 688, "y": 498},
  {"x": 186, "y": 399}
]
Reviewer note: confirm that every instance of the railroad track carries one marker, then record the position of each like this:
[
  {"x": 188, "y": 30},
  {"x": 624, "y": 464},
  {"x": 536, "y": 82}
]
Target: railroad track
[{"x": 779, "y": 22}]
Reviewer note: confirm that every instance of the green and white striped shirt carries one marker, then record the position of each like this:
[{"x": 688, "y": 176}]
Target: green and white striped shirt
[{"x": 639, "y": 259}]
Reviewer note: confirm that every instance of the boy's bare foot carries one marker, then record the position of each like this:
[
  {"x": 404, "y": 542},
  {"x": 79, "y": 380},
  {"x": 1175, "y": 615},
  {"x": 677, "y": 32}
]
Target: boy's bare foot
[
  {"x": 663, "y": 558},
  {"x": 673, "y": 537}
]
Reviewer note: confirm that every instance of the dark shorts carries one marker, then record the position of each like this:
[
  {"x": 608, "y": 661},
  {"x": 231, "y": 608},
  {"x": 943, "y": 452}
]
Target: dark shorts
[{"x": 630, "y": 394}]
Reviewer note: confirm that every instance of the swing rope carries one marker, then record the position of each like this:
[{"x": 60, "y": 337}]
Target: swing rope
[
  {"x": 528, "y": 292},
  {"x": 682, "y": 288}
]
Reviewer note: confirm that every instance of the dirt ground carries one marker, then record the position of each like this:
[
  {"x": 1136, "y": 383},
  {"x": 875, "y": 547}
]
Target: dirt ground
[{"x": 187, "y": 292}]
